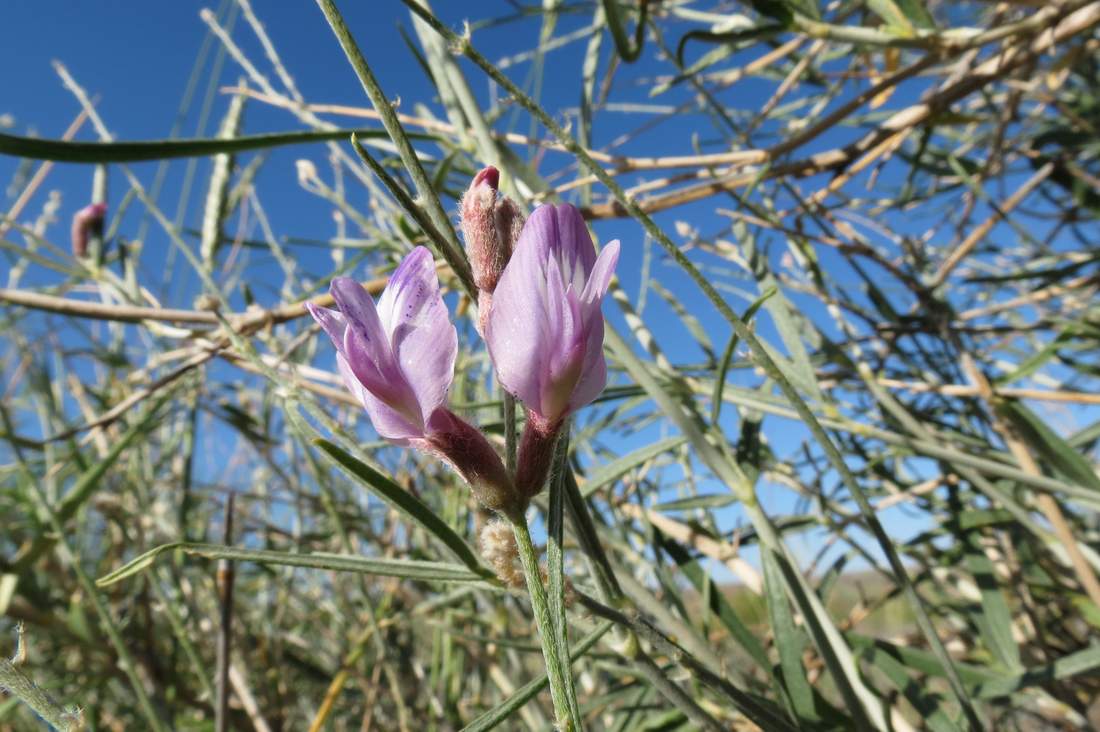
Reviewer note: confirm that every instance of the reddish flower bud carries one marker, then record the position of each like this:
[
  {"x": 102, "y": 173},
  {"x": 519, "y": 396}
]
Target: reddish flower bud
[
  {"x": 491, "y": 223},
  {"x": 88, "y": 221}
]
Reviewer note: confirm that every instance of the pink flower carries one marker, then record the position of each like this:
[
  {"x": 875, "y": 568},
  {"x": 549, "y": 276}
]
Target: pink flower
[
  {"x": 545, "y": 330},
  {"x": 398, "y": 360}
]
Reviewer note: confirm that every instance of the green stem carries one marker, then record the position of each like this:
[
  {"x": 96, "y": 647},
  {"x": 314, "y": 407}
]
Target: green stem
[
  {"x": 555, "y": 555},
  {"x": 22, "y": 687},
  {"x": 555, "y": 670},
  {"x": 510, "y": 433}
]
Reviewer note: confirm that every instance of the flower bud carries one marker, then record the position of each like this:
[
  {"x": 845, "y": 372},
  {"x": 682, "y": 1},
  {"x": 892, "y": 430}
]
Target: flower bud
[
  {"x": 491, "y": 224},
  {"x": 87, "y": 222}
]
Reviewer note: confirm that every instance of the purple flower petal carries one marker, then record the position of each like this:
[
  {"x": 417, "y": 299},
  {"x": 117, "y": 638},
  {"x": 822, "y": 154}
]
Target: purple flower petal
[
  {"x": 379, "y": 373},
  {"x": 545, "y": 328},
  {"x": 397, "y": 358},
  {"x": 600, "y": 278},
  {"x": 593, "y": 376},
  {"x": 331, "y": 321},
  {"x": 516, "y": 328},
  {"x": 388, "y": 423},
  {"x": 358, "y": 308},
  {"x": 422, "y": 337}
]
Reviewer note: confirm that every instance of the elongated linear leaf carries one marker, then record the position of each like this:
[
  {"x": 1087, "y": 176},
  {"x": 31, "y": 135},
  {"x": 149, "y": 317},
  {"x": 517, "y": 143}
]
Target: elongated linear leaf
[
  {"x": 137, "y": 151},
  {"x": 403, "y": 501},
  {"x": 719, "y": 605},
  {"x": 708, "y": 500},
  {"x": 727, "y": 355},
  {"x": 1063, "y": 458},
  {"x": 932, "y": 712},
  {"x": 1081, "y": 662},
  {"x": 995, "y": 619},
  {"x": 406, "y": 568},
  {"x": 627, "y": 50},
  {"x": 789, "y": 641},
  {"x": 85, "y": 485},
  {"x": 555, "y": 573},
  {"x": 987, "y": 682}
]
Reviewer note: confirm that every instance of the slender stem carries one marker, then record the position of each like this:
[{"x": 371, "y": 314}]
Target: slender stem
[
  {"x": 555, "y": 555},
  {"x": 23, "y": 687},
  {"x": 744, "y": 702},
  {"x": 225, "y": 576},
  {"x": 510, "y": 433},
  {"x": 669, "y": 690},
  {"x": 555, "y": 671}
]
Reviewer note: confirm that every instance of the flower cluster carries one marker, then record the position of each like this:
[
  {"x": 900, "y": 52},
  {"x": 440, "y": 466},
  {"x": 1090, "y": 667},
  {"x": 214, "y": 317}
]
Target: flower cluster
[{"x": 540, "y": 287}]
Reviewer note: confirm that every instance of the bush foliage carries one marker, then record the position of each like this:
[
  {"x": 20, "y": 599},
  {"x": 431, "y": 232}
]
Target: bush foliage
[{"x": 844, "y": 475}]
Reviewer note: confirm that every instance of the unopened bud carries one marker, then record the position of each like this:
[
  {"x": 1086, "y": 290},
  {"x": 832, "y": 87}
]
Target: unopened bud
[
  {"x": 87, "y": 222},
  {"x": 491, "y": 223}
]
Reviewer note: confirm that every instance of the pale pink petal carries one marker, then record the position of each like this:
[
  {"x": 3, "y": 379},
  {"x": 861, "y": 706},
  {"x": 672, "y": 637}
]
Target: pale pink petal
[
  {"x": 397, "y": 358},
  {"x": 331, "y": 321},
  {"x": 423, "y": 340},
  {"x": 388, "y": 423},
  {"x": 545, "y": 328}
]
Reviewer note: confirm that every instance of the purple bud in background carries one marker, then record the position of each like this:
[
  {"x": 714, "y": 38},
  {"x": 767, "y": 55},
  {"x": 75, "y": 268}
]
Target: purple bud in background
[
  {"x": 86, "y": 222},
  {"x": 491, "y": 224},
  {"x": 545, "y": 329},
  {"x": 398, "y": 360}
]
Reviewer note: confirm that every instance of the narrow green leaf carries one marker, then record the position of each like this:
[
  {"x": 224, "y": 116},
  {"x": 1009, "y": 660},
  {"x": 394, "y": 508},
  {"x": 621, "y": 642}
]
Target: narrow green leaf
[
  {"x": 628, "y": 51},
  {"x": 528, "y": 691},
  {"x": 1086, "y": 661},
  {"x": 403, "y": 501},
  {"x": 727, "y": 355},
  {"x": 86, "y": 485},
  {"x": 612, "y": 471},
  {"x": 867, "y": 711},
  {"x": 789, "y": 641},
  {"x": 707, "y": 500},
  {"x": 925, "y": 703},
  {"x": 406, "y": 568},
  {"x": 1054, "y": 450},
  {"x": 555, "y": 572},
  {"x": 138, "y": 151},
  {"x": 719, "y": 605},
  {"x": 1037, "y": 360},
  {"x": 994, "y": 621}
]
